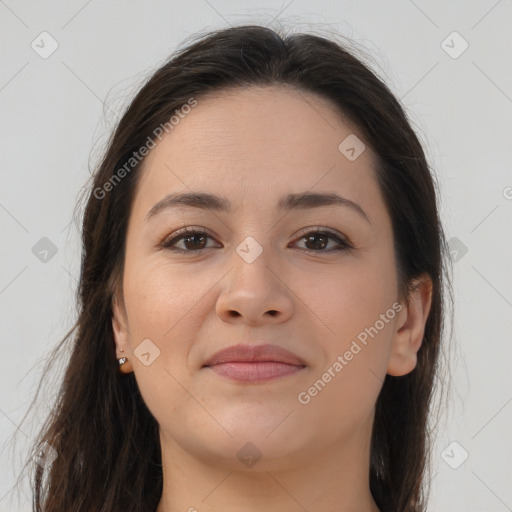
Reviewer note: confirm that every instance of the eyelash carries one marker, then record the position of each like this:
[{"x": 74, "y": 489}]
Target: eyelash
[{"x": 183, "y": 233}]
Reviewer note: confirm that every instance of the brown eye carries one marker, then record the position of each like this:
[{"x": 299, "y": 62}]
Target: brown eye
[
  {"x": 196, "y": 239},
  {"x": 193, "y": 240},
  {"x": 317, "y": 240}
]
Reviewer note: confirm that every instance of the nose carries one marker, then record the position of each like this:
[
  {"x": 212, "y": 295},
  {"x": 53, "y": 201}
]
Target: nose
[{"x": 255, "y": 293}]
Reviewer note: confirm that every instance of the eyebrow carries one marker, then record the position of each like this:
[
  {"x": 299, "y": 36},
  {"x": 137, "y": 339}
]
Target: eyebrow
[{"x": 205, "y": 201}]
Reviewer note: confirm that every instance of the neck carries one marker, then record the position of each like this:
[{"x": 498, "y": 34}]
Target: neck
[{"x": 336, "y": 480}]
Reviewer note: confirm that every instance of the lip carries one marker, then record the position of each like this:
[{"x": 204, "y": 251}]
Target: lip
[
  {"x": 254, "y": 354},
  {"x": 254, "y": 363}
]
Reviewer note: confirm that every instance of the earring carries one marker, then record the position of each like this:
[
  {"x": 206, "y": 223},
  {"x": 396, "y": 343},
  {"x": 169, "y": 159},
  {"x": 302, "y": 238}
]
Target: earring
[
  {"x": 124, "y": 369},
  {"x": 121, "y": 361}
]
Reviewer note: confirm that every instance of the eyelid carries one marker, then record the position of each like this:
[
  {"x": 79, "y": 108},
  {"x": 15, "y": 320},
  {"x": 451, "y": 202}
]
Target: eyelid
[
  {"x": 315, "y": 229},
  {"x": 178, "y": 235}
]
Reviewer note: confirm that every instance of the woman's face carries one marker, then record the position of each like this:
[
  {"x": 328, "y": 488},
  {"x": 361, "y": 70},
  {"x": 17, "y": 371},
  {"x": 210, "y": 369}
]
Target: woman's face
[{"x": 253, "y": 276}]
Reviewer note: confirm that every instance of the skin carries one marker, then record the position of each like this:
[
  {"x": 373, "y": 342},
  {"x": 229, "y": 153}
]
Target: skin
[{"x": 252, "y": 146}]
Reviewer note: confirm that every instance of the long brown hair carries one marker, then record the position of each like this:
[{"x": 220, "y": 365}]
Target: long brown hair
[{"x": 105, "y": 439}]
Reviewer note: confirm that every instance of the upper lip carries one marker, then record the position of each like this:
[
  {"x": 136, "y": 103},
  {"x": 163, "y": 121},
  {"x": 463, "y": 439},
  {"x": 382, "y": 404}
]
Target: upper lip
[{"x": 254, "y": 353}]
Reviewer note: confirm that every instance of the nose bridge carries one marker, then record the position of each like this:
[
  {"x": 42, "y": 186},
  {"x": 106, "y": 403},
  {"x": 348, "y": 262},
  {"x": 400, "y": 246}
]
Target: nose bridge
[
  {"x": 253, "y": 229},
  {"x": 256, "y": 249},
  {"x": 252, "y": 260},
  {"x": 253, "y": 289}
]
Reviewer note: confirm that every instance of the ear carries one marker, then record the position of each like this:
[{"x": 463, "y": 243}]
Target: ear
[
  {"x": 120, "y": 330},
  {"x": 410, "y": 326}
]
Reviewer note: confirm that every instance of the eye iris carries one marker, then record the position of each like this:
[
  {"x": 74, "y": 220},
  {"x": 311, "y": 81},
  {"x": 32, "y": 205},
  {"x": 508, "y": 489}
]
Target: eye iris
[
  {"x": 316, "y": 235},
  {"x": 194, "y": 237}
]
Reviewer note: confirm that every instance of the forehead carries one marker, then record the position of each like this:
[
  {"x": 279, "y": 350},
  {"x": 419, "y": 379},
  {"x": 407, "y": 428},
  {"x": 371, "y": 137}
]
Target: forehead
[{"x": 254, "y": 143}]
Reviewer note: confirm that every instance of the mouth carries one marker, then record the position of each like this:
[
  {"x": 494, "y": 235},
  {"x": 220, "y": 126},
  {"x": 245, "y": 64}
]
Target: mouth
[{"x": 254, "y": 363}]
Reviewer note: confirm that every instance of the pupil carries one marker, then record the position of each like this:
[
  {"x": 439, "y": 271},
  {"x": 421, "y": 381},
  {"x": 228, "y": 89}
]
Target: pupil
[
  {"x": 193, "y": 237},
  {"x": 323, "y": 237}
]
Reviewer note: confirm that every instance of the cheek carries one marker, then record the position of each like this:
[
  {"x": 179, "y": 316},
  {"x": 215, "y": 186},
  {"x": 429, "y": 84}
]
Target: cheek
[
  {"x": 164, "y": 307},
  {"x": 355, "y": 306},
  {"x": 352, "y": 297},
  {"x": 160, "y": 296},
  {"x": 344, "y": 386}
]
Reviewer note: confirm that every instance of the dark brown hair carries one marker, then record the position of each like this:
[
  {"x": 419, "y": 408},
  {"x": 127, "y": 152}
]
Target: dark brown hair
[{"x": 105, "y": 438}]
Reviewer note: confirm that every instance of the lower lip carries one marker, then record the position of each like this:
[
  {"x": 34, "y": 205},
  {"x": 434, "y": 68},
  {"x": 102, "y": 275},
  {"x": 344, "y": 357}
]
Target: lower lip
[{"x": 255, "y": 372}]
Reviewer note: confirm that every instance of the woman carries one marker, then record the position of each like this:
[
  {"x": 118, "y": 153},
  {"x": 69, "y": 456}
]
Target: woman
[{"x": 261, "y": 294}]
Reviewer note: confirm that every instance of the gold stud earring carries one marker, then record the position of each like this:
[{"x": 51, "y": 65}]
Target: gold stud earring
[{"x": 121, "y": 361}]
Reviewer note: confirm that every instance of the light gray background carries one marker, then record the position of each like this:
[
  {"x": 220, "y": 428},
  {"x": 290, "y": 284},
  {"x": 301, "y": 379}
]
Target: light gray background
[{"x": 57, "y": 112}]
